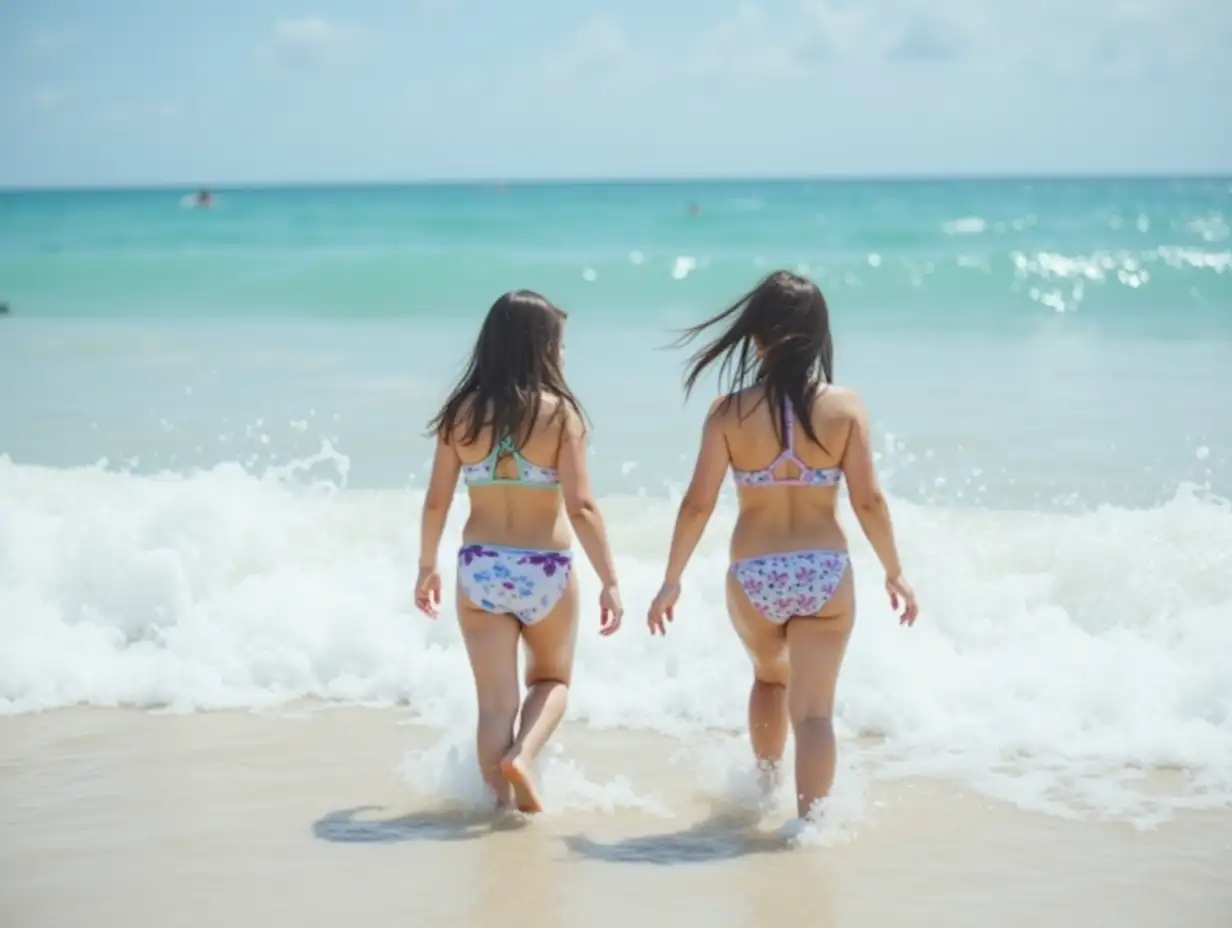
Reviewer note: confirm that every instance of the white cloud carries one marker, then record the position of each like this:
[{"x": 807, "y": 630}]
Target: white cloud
[
  {"x": 45, "y": 102},
  {"x": 47, "y": 42},
  {"x": 749, "y": 47},
  {"x": 48, "y": 100},
  {"x": 311, "y": 41},
  {"x": 1128, "y": 37},
  {"x": 843, "y": 27},
  {"x": 1049, "y": 39},
  {"x": 599, "y": 54},
  {"x": 928, "y": 37},
  {"x": 898, "y": 30},
  {"x": 1113, "y": 39},
  {"x": 1141, "y": 37}
]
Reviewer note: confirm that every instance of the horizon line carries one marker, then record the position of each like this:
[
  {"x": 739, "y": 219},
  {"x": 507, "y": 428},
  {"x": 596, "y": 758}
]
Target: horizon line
[{"x": 616, "y": 180}]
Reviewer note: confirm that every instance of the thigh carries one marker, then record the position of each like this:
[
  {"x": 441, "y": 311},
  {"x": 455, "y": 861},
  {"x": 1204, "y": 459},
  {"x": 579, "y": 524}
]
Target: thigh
[
  {"x": 816, "y": 646},
  {"x": 765, "y": 641},
  {"x": 550, "y": 642},
  {"x": 492, "y": 646}
]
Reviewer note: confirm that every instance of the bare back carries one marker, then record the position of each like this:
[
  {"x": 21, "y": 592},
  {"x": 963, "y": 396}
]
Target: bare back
[
  {"x": 792, "y": 517},
  {"x": 512, "y": 514}
]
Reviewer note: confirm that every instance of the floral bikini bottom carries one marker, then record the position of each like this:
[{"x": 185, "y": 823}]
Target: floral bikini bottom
[
  {"x": 519, "y": 581},
  {"x": 794, "y": 583}
]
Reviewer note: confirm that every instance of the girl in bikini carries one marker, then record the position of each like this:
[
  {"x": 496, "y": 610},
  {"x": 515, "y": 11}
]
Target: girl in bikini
[
  {"x": 515, "y": 433},
  {"x": 789, "y": 437}
]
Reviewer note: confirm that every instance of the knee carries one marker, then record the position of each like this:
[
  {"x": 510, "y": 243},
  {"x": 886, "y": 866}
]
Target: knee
[
  {"x": 769, "y": 682},
  {"x": 806, "y": 707},
  {"x": 498, "y": 710},
  {"x": 537, "y": 676},
  {"x": 772, "y": 672},
  {"x": 804, "y": 717},
  {"x": 557, "y": 686}
]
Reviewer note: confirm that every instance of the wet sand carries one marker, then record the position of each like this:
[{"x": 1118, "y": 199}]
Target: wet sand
[{"x": 114, "y": 818}]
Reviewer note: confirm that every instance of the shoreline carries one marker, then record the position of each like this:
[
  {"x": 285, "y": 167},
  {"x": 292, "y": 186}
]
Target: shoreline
[{"x": 310, "y": 816}]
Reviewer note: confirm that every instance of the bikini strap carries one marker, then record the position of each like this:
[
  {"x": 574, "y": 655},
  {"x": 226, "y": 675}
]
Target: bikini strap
[
  {"x": 504, "y": 446},
  {"x": 789, "y": 426}
]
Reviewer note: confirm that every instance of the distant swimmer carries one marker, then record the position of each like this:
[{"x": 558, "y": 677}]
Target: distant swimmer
[
  {"x": 204, "y": 198},
  {"x": 693, "y": 209}
]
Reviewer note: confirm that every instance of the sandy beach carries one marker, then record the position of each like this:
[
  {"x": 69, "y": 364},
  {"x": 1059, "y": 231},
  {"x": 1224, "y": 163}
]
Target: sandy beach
[{"x": 118, "y": 818}]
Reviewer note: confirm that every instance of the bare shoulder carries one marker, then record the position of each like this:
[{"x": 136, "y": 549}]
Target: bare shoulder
[
  {"x": 730, "y": 409},
  {"x": 557, "y": 416},
  {"x": 840, "y": 402},
  {"x": 719, "y": 409}
]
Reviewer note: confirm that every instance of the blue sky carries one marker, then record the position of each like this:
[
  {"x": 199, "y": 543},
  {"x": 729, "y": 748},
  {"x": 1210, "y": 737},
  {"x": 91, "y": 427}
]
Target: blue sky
[{"x": 157, "y": 91}]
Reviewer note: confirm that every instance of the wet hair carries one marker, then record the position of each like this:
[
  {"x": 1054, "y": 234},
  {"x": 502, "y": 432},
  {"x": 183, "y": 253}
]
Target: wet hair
[
  {"x": 516, "y": 360},
  {"x": 785, "y": 316}
]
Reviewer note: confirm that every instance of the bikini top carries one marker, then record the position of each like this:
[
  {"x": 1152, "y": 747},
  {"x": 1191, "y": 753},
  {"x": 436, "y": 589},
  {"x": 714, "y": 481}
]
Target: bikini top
[
  {"x": 808, "y": 476},
  {"x": 483, "y": 472}
]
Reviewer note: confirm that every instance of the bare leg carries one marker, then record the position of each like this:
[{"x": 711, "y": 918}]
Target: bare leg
[
  {"x": 549, "y": 650},
  {"x": 492, "y": 645},
  {"x": 816, "y": 646},
  {"x": 766, "y": 644},
  {"x": 768, "y": 720}
]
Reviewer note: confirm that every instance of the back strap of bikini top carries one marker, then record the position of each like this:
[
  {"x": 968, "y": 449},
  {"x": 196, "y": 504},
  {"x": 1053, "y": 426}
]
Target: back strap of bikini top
[{"x": 504, "y": 446}]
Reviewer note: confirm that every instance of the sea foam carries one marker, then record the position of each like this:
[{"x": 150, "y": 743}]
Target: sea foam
[{"x": 1061, "y": 660}]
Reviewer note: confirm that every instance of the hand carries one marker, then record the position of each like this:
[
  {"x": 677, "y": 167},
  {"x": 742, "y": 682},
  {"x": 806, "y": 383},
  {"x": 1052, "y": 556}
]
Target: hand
[
  {"x": 610, "y": 609},
  {"x": 428, "y": 591},
  {"x": 900, "y": 591},
  {"x": 663, "y": 609}
]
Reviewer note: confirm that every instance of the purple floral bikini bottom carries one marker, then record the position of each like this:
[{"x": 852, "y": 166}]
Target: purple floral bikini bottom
[
  {"x": 794, "y": 583},
  {"x": 519, "y": 581}
]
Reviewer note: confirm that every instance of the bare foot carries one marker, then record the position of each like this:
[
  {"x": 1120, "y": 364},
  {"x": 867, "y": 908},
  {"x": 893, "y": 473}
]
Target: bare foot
[{"x": 524, "y": 794}]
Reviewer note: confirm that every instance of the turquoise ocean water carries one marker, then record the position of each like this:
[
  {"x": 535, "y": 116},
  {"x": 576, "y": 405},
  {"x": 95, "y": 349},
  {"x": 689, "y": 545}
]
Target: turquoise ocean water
[{"x": 211, "y": 450}]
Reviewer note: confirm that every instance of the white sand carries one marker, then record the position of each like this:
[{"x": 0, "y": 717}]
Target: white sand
[{"x": 114, "y": 818}]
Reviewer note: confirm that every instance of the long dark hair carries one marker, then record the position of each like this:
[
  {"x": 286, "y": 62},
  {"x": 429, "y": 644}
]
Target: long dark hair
[
  {"x": 785, "y": 316},
  {"x": 516, "y": 360}
]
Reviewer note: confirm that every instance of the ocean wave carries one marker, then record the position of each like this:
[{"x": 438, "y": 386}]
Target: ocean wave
[
  {"x": 1190, "y": 283},
  {"x": 1058, "y": 658}
]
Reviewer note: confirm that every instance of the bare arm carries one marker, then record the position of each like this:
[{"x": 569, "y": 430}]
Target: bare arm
[
  {"x": 445, "y": 468},
  {"x": 580, "y": 502},
  {"x": 699, "y": 500},
  {"x": 866, "y": 497}
]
